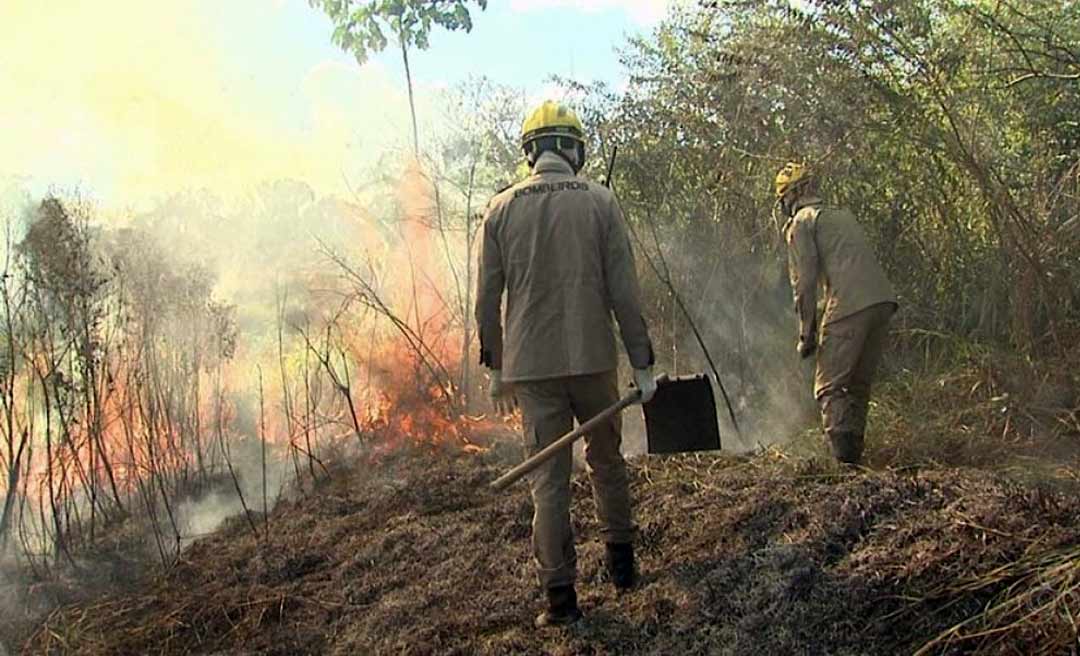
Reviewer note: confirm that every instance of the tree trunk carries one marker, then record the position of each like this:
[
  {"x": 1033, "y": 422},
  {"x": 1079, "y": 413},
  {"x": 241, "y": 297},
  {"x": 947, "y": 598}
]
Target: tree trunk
[
  {"x": 412, "y": 104},
  {"x": 9, "y": 505},
  {"x": 466, "y": 369}
]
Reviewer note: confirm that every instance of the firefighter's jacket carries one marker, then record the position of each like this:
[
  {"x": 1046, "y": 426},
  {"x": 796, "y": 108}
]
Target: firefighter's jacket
[
  {"x": 827, "y": 244},
  {"x": 558, "y": 245}
]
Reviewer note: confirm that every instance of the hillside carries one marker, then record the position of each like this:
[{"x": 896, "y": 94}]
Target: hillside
[
  {"x": 264, "y": 255},
  {"x": 414, "y": 555}
]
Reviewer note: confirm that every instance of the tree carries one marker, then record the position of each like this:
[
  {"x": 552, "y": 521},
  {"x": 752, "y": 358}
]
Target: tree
[
  {"x": 362, "y": 28},
  {"x": 478, "y": 155},
  {"x": 948, "y": 127}
]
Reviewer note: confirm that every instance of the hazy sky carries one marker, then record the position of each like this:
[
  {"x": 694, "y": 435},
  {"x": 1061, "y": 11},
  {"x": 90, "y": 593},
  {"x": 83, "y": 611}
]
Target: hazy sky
[{"x": 131, "y": 100}]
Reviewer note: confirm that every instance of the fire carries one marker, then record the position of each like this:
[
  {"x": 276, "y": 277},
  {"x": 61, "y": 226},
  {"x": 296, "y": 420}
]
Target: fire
[
  {"x": 412, "y": 356},
  {"x": 411, "y": 405},
  {"x": 147, "y": 419}
]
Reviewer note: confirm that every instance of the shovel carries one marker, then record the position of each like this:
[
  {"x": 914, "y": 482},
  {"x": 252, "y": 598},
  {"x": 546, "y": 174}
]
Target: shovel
[
  {"x": 549, "y": 451},
  {"x": 681, "y": 417}
]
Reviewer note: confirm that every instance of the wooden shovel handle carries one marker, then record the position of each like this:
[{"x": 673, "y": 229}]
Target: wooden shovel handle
[{"x": 545, "y": 454}]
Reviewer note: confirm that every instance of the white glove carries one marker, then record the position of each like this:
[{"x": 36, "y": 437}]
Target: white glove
[
  {"x": 646, "y": 382},
  {"x": 502, "y": 396}
]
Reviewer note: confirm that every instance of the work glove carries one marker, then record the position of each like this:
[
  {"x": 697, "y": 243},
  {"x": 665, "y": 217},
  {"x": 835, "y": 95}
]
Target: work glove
[
  {"x": 646, "y": 382},
  {"x": 807, "y": 345},
  {"x": 502, "y": 395}
]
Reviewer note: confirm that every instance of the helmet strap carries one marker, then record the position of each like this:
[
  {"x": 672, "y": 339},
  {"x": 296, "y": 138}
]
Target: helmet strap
[
  {"x": 576, "y": 159},
  {"x": 779, "y": 213},
  {"x": 568, "y": 150},
  {"x": 786, "y": 203},
  {"x": 792, "y": 196}
]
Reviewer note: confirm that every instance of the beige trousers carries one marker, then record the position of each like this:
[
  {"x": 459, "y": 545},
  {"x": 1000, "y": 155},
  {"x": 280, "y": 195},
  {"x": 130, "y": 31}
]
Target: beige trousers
[
  {"x": 848, "y": 357},
  {"x": 549, "y": 408}
]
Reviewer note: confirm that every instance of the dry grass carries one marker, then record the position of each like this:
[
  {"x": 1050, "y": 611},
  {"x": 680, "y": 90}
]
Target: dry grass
[
  {"x": 1038, "y": 606},
  {"x": 961, "y": 538},
  {"x": 739, "y": 556},
  {"x": 951, "y": 403}
]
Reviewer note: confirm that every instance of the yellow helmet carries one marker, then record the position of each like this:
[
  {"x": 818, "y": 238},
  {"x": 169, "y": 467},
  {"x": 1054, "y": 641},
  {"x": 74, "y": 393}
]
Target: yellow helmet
[
  {"x": 791, "y": 175},
  {"x": 552, "y": 119}
]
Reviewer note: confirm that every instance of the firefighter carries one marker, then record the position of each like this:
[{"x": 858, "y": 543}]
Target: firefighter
[
  {"x": 557, "y": 244},
  {"x": 827, "y": 245}
]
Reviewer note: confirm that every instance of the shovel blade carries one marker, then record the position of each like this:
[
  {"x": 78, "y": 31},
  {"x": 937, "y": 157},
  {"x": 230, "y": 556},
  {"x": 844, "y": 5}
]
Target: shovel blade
[{"x": 681, "y": 416}]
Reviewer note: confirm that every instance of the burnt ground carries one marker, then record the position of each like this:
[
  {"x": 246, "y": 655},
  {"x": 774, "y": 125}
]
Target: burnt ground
[{"x": 414, "y": 555}]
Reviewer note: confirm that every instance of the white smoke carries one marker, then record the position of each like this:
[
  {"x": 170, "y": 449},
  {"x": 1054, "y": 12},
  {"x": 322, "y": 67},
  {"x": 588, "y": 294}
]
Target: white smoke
[
  {"x": 203, "y": 515},
  {"x": 199, "y": 518},
  {"x": 9, "y": 604}
]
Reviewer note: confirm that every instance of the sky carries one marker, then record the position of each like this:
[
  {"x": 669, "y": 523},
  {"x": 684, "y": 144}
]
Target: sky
[{"x": 129, "y": 101}]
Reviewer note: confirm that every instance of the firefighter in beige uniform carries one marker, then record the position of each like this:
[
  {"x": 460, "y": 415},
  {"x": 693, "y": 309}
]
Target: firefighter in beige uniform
[
  {"x": 558, "y": 246},
  {"x": 827, "y": 244}
]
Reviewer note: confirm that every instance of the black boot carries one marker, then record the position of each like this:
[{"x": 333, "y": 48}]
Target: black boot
[
  {"x": 847, "y": 447},
  {"x": 562, "y": 608},
  {"x": 620, "y": 565}
]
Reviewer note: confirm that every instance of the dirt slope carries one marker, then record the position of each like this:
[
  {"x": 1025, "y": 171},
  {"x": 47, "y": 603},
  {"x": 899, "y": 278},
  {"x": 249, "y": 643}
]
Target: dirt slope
[{"x": 415, "y": 556}]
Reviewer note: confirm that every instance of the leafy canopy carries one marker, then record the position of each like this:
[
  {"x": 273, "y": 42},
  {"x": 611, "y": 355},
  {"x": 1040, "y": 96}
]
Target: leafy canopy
[{"x": 365, "y": 27}]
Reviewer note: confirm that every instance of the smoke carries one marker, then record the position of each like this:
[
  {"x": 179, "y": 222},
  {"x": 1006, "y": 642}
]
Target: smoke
[
  {"x": 8, "y": 606},
  {"x": 202, "y": 517},
  {"x": 186, "y": 95},
  {"x": 205, "y": 514},
  {"x": 740, "y": 300},
  {"x": 16, "y": 611},
  {"x": 193, "y": 160}
]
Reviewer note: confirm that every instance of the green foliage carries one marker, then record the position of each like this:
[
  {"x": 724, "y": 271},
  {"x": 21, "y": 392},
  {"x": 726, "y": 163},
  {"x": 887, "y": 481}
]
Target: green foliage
[
  {"x": 948, "y": 127},
  {"x": 365, "y": 27}
]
